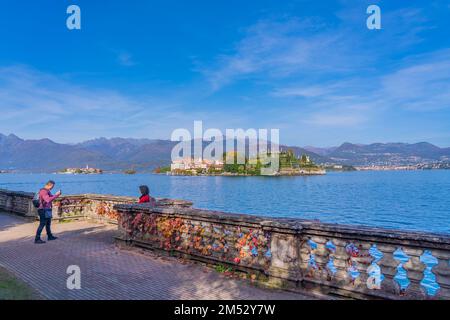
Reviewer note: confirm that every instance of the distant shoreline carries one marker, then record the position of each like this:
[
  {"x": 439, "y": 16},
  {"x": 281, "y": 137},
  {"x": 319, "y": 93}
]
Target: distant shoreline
[
  {"x": 245, "y": 175},
  {"x": 358, "y": 169}
]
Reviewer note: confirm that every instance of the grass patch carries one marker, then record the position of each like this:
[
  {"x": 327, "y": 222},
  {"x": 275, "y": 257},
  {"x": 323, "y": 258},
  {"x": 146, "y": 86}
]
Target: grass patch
[
  {"x": 12, "y": 288},
  {"x": 65, "y": 220},
  {"x": 222, "y": 269}
]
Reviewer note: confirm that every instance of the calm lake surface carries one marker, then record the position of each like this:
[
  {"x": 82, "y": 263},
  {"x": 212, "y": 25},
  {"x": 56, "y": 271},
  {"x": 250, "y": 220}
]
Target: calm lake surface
[{"x": 407, "y": 200}]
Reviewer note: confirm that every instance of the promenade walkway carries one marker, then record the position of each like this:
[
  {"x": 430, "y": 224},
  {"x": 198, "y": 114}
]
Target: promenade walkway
[{"x": 110, "y": 273}]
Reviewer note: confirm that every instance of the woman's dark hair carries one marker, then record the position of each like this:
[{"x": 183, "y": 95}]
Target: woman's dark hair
[{"x": 144, "y": 190}]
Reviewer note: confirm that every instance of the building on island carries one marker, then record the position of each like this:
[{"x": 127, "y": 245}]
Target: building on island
[
  {"x": 289, "y": 164},
  {"x": 196, "y": 165},
  {"x": 86, "y": 170},
  {"x": 297, "y": 165}
]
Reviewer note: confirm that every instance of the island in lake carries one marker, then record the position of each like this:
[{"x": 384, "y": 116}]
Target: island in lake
[
  {"x": 289, "y": 165},
  {"x": 86, "y": 170}
]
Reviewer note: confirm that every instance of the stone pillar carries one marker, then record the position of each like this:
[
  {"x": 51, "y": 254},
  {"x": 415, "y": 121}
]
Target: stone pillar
[
  {"x": 321, "y": 255},
  {"x": 285, "y": 250},
  {"x": 9, "y": 203},
  {"x": 442, "y": 272},
  {"x": 362, "y": 262},
  {"x": 414, "y": 271},
  {"x": 388, "y": 265},
  {"x": 341, "y": 263}
]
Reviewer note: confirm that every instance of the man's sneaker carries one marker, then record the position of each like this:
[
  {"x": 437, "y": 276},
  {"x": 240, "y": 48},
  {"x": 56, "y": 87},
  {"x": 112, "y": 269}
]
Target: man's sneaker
[
  {"x": 52, "y": 238},
  {"x": 38, "y": 241}
]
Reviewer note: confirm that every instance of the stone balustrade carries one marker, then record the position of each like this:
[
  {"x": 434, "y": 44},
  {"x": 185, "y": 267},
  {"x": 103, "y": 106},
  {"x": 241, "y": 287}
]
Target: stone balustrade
[
  {"x": 377, "y": 262},
  {"x": 352, "y": 261}
]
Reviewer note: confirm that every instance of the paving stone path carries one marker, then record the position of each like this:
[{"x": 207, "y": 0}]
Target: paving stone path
[{"x": 108, "y": 272}]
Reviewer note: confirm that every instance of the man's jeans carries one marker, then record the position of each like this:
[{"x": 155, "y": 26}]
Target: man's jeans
[{"x": 45, "y": 220}]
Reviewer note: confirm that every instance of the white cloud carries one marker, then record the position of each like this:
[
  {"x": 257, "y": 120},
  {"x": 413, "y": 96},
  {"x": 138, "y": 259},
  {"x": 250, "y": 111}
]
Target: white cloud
[
  {"x": 34, "y": 104},
  {"x": 335, "y": 119},
  {"x": 292, "y": 48},
  {"x": 125, "y": 59},
  {"x": 282, "y": 49},
  {"x": 307, "y": 92},
  {"x": 39, "y": 104},
  {"x": 24, "y": 88},
  {"x": 422, "y": 85}
]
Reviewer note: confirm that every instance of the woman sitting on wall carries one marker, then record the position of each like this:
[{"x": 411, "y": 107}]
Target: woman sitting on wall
[{"x": 145, "y": 196}]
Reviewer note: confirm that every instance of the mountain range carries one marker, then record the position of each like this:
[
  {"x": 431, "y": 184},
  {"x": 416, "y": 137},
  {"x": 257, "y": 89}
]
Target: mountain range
[
  {"x": 384, "y": 153},
  {"x": 117, "y": 154}
]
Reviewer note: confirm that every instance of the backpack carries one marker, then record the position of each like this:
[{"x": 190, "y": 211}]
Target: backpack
[{"x": 37, "y": 199}]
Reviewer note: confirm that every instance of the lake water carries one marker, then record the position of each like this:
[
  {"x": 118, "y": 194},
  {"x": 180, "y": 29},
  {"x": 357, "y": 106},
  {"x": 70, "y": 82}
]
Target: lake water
[{"x": 407, "y": 200}]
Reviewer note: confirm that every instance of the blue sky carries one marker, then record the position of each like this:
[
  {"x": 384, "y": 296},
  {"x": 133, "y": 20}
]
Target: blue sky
[{"x": 144, "y": 68}]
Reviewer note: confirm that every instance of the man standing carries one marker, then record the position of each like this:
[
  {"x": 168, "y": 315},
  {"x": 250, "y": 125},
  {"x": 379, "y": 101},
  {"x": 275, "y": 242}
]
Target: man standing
[{"x": 45, "y": 211}]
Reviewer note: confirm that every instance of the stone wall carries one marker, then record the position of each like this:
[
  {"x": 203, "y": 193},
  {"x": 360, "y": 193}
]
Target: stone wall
[
  {"x": 17, "y": 202},
  {"x": 351, "y": 261},
  {"x": 94, "y": 207},
  {"x": 100, "y": 208}
]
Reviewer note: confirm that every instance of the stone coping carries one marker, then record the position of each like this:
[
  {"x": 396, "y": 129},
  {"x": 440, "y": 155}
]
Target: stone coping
[
  {"x": 114, "y": 198},
  {"x": 100, "y": 197},
  {"x": 306, "y": 227},
  {"x": 17, "y": 193}
]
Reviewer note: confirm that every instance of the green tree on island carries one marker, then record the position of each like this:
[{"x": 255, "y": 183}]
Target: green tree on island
[{"x": 233, "y": 167}]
